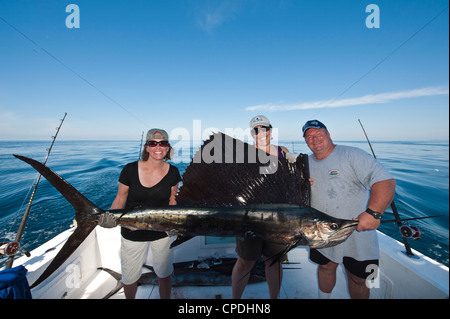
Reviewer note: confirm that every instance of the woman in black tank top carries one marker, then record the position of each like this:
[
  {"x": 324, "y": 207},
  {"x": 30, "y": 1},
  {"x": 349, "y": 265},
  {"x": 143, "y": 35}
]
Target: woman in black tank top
[{"x": 151, "y": 182}]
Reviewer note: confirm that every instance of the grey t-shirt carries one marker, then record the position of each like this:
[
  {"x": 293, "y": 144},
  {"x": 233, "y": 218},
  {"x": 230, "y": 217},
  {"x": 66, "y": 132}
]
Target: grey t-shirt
[{"x": 341, "y": 188}]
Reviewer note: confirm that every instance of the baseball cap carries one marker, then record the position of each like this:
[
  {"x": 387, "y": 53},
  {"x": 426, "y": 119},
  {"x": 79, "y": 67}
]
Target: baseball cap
[
  {"x": 157, "y": 133},
  {"x": 259, "y": 120},
  {"x": 312, "y": 124}
]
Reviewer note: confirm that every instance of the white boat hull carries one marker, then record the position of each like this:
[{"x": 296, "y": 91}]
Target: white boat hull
[{"x": 401, "y": 277}]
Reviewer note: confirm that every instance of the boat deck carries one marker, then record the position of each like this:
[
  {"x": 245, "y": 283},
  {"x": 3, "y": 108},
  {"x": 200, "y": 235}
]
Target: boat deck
[
  {"x": 80, "y": 278},
  {"x": 299, "y": 281}
]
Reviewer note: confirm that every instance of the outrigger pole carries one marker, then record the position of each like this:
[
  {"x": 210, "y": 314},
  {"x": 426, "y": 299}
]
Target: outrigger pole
[
  {"x": 398, "y": 220},
  {"x": 27, "y": 210}
]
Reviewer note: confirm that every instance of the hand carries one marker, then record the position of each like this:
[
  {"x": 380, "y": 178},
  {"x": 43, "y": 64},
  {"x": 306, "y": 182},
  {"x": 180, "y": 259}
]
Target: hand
[
  {"x": 366, "y": 222},
  {"x": 292, "y": 158},
  {"x": 107, "y": 220},
  {"x": 248, "y": 235}
]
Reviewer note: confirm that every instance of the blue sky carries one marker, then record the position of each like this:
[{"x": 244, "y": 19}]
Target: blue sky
[{"x": 133, "y": 65}]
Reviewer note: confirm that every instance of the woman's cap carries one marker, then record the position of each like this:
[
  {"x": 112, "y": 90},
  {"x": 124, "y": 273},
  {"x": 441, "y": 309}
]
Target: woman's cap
[
  {"x": 157, "y": 133},
  {"x": 259, "y": 120}
]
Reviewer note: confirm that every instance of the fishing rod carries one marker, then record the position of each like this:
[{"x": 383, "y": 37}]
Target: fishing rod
[
  {"x": 140, "y": 146},
  {"x": 404, "y": 230},
  {"x": 14, "y": 247}
]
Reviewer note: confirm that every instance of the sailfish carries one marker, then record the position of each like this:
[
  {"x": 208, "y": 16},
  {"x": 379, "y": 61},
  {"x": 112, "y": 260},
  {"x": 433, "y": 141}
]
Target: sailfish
[{"x": 229, "y": 189}]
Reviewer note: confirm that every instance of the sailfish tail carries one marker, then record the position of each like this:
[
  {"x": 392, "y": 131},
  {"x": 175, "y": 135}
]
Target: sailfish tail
[{"x": 85, "y": 215}]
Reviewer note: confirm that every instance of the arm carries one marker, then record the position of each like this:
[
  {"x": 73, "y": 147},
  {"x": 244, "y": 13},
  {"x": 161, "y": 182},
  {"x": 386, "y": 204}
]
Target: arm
[
  {"x": 381, "y": 196},
  {"x": 107, "y": 220},
  {"x": 121, "y": 197},
  {"x": 173, "y": 194}
]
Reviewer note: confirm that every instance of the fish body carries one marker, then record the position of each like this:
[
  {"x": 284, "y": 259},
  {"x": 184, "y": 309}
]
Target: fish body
[{"x": 289, "y": 225}]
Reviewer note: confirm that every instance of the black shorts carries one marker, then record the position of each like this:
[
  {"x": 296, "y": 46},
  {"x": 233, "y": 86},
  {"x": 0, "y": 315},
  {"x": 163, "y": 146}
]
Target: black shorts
[
  {"x": 355, "y": 267},
  {"x": 252, "y": 248}
]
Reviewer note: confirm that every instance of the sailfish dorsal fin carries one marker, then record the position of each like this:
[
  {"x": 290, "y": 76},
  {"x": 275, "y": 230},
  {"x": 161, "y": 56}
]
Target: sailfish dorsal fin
[{"x": 229, "y": 172}]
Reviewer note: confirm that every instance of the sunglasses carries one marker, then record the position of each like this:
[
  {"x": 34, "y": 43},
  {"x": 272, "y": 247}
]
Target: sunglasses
[
  {"x": 160, "y": 143},
  {"x": 263, "y": 128}
]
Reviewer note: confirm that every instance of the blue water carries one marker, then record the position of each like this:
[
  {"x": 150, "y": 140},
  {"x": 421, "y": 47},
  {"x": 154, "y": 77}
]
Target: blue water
[{"x": 93, "y": 167}]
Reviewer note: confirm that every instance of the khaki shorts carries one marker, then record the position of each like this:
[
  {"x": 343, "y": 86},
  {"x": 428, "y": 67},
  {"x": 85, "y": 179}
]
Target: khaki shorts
[
  {"x": 133, "y": 255},
  {"x": 251, "y": 249}
]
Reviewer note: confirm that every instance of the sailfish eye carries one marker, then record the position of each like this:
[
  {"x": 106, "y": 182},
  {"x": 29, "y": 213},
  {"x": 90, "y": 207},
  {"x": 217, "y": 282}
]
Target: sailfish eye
[{"x": 334, "y": 226}]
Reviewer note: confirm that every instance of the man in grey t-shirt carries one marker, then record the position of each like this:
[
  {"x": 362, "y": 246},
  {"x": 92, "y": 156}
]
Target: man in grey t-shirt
[{"x": 349, "y": 184}]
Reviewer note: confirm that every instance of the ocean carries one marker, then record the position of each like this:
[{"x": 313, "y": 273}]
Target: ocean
[{"x": 93, "y": 167}]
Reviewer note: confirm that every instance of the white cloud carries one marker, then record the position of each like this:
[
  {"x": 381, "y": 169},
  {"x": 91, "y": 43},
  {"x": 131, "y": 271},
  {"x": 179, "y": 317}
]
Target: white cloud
[
  {"x": 366, "y": 99},
  {"x": 214, "y": 13}
]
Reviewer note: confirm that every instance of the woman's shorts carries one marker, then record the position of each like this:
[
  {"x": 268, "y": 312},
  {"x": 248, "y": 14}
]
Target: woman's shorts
[
  {"x": 251, "y": 249},
  {"x": 133, "y": 256}
]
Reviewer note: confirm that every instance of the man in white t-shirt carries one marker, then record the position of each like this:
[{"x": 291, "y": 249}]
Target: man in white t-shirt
[{"x": 348, "y": 184}]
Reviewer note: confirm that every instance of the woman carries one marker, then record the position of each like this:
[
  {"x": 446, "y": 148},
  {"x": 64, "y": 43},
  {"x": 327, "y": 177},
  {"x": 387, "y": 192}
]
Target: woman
[
  {"x": 261, "y": 130},
  {"x": 149, "y": 182},
  {"x": 250, "y": 250}
]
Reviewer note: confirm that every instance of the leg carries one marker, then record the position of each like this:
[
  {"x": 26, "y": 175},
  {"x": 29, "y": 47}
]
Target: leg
[
  {"x": 165, "y": 287},
  {"x": 327, "y": 276},
  {"x": 274, "y": 275},
  {"x": 357, "y": 286},
  {"x": 357, "y": 272},
  {"x": 240, "y": 276},
  {"x": 162, "y": 265},
  {"x": 130, "y": 290},
  {"x": 248, "y": 251},
  {"x": 132, "y": 255},
  {"x": 326, "y": 273}
]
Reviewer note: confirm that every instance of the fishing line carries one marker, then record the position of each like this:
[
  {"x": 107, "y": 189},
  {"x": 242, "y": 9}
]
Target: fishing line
[
  {"x": 385, "y": 58},
  {"x": 74, "y": 72}
]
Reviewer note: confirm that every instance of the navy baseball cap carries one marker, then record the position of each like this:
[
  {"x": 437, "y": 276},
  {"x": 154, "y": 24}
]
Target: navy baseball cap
[{"x": 312, "y": 124}]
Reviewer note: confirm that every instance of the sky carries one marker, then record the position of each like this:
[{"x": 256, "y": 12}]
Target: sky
[{"x": 119, "y": 68}]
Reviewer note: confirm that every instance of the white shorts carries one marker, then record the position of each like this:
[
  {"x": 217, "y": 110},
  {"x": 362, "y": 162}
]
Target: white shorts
[{"x": 133, "y": 255}]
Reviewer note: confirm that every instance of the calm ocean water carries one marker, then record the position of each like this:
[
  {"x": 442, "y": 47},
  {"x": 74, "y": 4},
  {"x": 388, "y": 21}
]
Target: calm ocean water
[{"x": 93, "y": 167}]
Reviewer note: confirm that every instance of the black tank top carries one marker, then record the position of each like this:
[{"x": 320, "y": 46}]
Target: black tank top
[{"x": 138, "y": 195}]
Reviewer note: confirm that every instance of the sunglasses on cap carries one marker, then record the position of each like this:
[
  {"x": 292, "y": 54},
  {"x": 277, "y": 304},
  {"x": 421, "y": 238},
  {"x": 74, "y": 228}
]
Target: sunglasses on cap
[
  {"x": 263, "y": 128},
  {"x": 160, "y": 143}
]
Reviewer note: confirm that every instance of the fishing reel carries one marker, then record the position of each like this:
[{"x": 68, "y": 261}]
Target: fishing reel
[
  {"x": 409, "y": 231},
  {"x": 11, "y": 249}
]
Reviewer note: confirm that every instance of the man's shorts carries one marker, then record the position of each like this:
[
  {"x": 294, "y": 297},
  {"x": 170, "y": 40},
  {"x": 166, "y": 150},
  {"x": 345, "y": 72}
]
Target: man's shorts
[
  {"x": 251, "y": 249},
  {"x": 133, "y": 255},
  {"x": 355, "y": 267}
]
